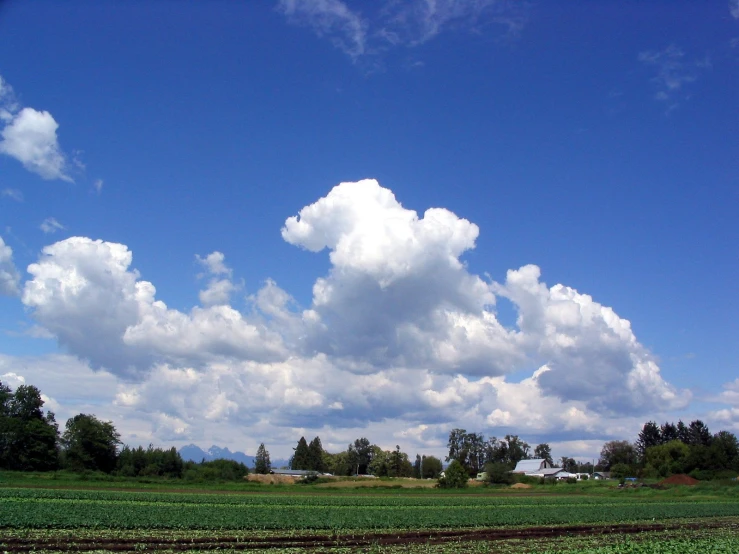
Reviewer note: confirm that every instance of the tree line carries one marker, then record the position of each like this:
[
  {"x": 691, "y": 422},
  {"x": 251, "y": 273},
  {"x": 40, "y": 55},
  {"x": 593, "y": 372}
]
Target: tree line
[
  {"x": 663, "y": 450},
  {"x": 362, "y": 457},
  {"x": 30, "y": 440}
]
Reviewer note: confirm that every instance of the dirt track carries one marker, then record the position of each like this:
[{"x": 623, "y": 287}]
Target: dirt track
[{"x": 151, "y": 544}]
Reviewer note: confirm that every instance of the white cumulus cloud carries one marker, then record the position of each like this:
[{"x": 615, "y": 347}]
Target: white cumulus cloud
[
  {"x": 84, "y": 293},
  {"x": 30, "y": 137},
  {"x": 399, "y": 337}
]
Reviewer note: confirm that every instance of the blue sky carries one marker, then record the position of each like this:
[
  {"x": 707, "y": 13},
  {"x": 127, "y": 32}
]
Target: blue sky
[{"x": 587, "y": 144}]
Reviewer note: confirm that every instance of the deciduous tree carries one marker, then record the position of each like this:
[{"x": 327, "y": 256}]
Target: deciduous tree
[
  {"x": 544, "y": 452},
  {"x": 28, "y": 437},
  {"x": 90, "y": 444}
]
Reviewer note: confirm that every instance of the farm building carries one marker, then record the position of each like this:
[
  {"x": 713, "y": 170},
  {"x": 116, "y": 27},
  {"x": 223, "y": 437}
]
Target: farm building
[
  {"x": 602, "y": 475},
  {"x": 293, "y": 472},
  {"x": 528, "y": 467},
  {"x": 551, "y": 473}
]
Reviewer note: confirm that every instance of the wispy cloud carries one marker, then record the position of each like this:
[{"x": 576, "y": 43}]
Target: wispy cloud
[
  {"x": 333, "y": 19},
  {"x": 9, "y": 277},
  {"x": 50, "y": 226},
  {"x": 418, "y": 21},
  {"x": 13, "y": 194},
  {"x": 98, "y": 185},
  {"x": 734, "y": 8},
  {"x": 395, "y": 23},
  {"x": 673, "y": 72}
]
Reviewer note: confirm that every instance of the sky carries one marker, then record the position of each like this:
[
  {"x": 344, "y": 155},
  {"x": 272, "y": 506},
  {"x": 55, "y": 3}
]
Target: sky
[{"x": 241, "y": 222}]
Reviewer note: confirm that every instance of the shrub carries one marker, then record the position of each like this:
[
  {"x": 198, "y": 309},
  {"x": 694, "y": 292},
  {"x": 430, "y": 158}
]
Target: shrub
[
  {"x": 455, "y": 476},
  {"x": 498, "y": 474}
]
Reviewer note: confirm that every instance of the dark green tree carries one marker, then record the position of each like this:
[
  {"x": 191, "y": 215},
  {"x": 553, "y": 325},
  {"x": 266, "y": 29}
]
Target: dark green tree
[
  {"x": 496, "y": 451},
  {"x": 262, "y": 463},
  {"x": 301, "y": 456},
  {"x": 431, "y": 467},
  {"x": 668, "y": 432},
  {"x": 469, "y": 449},
  {"x": 683, "y": 433},
  {"x": 457, "y": 445},
  {"x": 568, "y": 464},
  {"x": 360, "y": 455},
  {"x": 90, "y": 444},
  {"x": 617, "y": 452},
  {"x": 698, "y": 434},
  {"x": 455, "y": 476},
  {"x": 544, "y": 452},
  {"x": 650, "y": 435},
  {"x": 28, "y": 437},
  {"x": 517, "y": 449},
  {"x": 724, "y": 451},
  {"x": 134, "y": 462},
  {"x": 497, "y": 473},
  {"x": 315, "y": 455}
]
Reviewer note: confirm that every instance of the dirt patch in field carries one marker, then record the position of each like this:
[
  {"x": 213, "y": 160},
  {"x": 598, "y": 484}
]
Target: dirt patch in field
[
  {"x": 272, "y": 479},
  {"x": 152, "y": 544},
  {"x": 679, "y": 480},
  {"x": 378, "y": 484},
  {"x": 520, "y": 486}
]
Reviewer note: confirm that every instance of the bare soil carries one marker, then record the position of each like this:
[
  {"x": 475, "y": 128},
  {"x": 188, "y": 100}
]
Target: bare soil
[
  {"x": 152, "y": 544},
  {"x": 680, "y": 480},
  {"x": 272, "y": 479}
]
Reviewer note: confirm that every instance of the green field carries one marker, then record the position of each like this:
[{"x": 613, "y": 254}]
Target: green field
[{"x": 291, "y": 519}]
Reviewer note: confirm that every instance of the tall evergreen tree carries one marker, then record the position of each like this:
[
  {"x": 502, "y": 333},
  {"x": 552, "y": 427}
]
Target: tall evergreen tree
[
  {"x": 668, "y": 432},
  {"x": 650, "y": 435},
  {"x": 698, "y": 434},
  {"x": 301, "y": 456},
  {"x": 262, "y": 463},
  {"x": 315, "y": 455},
  {"x": 683, "y": 433}
]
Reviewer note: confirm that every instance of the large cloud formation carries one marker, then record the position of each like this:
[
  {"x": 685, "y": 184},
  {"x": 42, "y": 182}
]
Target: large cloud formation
[{"x": 398, "y": 331}]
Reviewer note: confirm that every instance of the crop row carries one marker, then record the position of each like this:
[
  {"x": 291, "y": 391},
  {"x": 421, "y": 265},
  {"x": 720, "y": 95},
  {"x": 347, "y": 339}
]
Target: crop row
[
  {"x": 42, "y": 513},
  {"x": 119, "y": 497}
]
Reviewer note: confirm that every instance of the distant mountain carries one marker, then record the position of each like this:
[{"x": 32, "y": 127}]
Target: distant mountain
[{"x": 194, "y": 453}]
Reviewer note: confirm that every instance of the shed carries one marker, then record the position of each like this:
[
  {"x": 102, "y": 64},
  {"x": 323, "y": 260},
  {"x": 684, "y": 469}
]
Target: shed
[{"x": 293, "y": 472}]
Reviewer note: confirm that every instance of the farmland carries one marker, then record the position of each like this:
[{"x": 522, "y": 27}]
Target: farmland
[{"x": 107, "y": 520}]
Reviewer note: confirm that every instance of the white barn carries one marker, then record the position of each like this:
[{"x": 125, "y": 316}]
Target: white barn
[{"x": 530, "y": 467}]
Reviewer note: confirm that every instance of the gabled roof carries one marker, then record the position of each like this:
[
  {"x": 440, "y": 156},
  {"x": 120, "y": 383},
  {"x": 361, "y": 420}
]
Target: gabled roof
[
  {"x": 527, "y": 466},
  {"x": 546, "y": 471}
]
